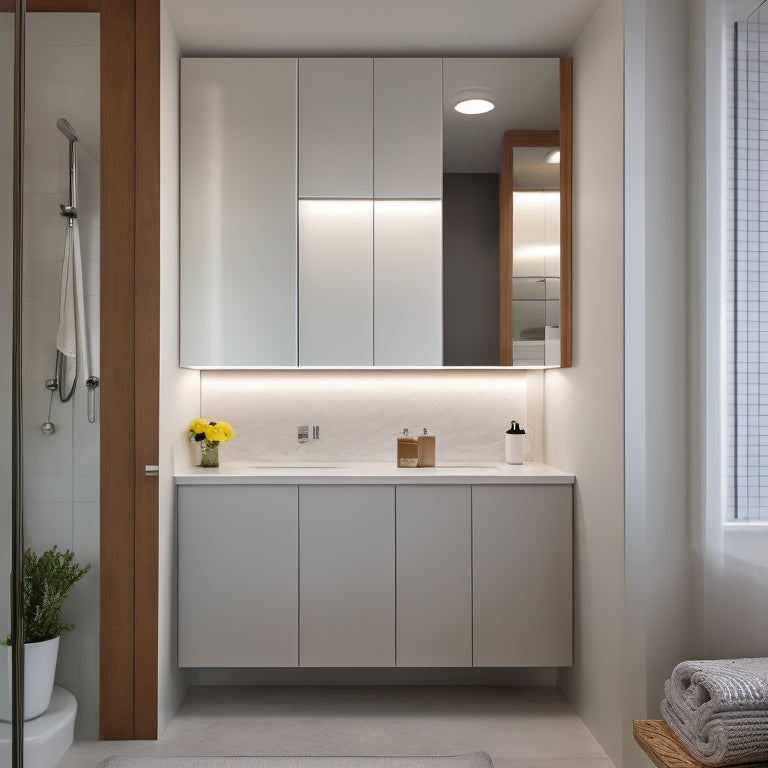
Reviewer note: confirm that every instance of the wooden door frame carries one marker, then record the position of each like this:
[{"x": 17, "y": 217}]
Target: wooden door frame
[{"x": 130, "y": 358}]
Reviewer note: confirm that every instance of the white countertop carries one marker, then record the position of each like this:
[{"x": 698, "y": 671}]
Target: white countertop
[{"x": 374, "y": 473}]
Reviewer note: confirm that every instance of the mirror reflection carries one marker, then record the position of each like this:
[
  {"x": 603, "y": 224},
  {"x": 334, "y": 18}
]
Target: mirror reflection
[
  {"x": 534, "y": 306},
  {"x": 501, "y": 286}
]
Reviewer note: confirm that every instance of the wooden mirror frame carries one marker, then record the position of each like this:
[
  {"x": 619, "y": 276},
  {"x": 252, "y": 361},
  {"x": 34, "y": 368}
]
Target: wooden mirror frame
[{"x": 563, "y": 139}]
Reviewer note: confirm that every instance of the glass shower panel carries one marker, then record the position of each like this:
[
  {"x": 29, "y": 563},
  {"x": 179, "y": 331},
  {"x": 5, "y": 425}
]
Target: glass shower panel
[{"x": 7, "y": 31}]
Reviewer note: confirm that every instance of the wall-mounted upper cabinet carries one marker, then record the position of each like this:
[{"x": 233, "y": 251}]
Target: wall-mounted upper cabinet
[
  {"x": 348, "y": 213},
  {"x": 238, "y": 212}
]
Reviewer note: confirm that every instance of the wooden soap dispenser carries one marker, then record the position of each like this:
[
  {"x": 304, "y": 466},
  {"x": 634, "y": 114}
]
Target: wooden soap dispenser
[
  {"x": 407, "y": 451},
  {"x": 426, "y": 450}
]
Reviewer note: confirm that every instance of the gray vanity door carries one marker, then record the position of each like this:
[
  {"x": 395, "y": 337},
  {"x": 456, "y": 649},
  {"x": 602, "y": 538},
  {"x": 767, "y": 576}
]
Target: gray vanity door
[
  {"x": 347, "y": 581},
  {"x": 238, "y": 576},
  {"x": 522, "y": 575},
  {"x": 434, "y": 576}
]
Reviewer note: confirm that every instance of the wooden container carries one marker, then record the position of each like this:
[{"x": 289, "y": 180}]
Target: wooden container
[
  {"x": 407, "y": 451},
  {"x": 426, "y": 451}
]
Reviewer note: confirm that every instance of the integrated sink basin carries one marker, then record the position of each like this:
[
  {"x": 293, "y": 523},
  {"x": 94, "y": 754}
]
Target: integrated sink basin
[
  {"x": 269, "y": 465},
  {"x": 362, "y": 467}
]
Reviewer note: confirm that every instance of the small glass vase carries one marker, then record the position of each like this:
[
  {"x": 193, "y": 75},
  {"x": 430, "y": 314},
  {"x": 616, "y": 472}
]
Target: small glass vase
[{"x": 209, "y": 453}]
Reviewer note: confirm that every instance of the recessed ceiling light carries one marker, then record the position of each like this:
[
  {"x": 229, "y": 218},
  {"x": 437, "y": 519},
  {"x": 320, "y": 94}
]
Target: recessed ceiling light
[
  {"x": 474, "y": 106},
  {"x": 553, "y": 157}
]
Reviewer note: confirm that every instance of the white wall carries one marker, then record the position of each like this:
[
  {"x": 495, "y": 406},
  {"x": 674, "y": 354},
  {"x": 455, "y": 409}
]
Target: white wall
[
  {"x": 61, "y": 471},
  {"x": 658, "y": 570},
  {"x": 179, "y": 388},
  {"x": 583, "y": 405}
]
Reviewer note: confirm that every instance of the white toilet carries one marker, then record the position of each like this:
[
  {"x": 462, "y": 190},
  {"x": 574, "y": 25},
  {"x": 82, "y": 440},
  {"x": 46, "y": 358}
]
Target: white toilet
[{"x": 46, "y": 737}]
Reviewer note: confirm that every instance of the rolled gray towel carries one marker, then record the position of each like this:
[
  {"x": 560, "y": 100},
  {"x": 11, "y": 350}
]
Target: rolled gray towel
[
  {"x": 699, "y": 690},
  {"x": 719, "y": 709},
  {"x": 727, "y": 739}
]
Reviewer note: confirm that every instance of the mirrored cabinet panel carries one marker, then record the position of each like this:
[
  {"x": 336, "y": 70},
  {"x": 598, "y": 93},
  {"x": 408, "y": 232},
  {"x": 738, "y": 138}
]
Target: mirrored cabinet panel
[
  {"x": 359, "y": 212},
  {"x": 238, "y": 213}
]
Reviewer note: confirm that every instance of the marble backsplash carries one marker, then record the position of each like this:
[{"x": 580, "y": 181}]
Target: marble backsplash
[{"x": 360, "y": 413}]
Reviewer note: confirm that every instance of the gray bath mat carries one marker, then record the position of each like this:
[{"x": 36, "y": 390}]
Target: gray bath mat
[{"x": 470, "y": 760}]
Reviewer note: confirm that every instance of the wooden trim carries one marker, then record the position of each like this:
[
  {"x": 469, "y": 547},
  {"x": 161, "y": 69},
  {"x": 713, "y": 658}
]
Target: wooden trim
[
  {"x": 566, "y": 211},
  {"x": 63, "y": 6},
  {"x": 505, "y": 255},
  {"x": 118, "y": 367},
  {"x": 147, "y": 368},
  {"x": 510, "y": 140}
]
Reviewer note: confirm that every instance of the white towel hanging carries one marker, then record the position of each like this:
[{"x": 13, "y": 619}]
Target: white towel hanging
[{"x": 72, "y": 338}]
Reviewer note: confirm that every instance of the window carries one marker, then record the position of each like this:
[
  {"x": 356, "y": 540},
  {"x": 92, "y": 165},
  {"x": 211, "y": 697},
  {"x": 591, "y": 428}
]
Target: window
[{"x": 748, "y": 267}]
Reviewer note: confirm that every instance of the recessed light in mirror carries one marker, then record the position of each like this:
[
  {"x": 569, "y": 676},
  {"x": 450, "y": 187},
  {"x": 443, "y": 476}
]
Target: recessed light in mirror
[
  {"x": 474, "y": 106},
  {"x": 553, "y": 157}
]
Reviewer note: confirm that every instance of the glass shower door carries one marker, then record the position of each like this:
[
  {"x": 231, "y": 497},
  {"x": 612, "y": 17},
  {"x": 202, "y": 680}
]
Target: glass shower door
[{"x": 7, "y": 119}]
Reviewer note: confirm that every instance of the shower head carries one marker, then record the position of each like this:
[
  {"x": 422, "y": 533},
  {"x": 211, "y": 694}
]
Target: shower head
[{"x": 64, "y": 126}]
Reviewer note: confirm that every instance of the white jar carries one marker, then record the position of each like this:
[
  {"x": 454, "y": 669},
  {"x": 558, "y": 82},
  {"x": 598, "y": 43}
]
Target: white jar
[{"x": 514, "y": 448}]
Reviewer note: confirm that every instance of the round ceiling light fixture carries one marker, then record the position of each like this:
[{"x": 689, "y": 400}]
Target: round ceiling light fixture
[
  {"x": 553, "y": 158},
  {"x": 473, "y": 101},
  {"x": 474, "y": 106}
]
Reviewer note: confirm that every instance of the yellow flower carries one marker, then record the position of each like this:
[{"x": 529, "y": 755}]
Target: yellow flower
[
  {"x": 218, "y": 432},
  {"x": 198, "y": 426}
]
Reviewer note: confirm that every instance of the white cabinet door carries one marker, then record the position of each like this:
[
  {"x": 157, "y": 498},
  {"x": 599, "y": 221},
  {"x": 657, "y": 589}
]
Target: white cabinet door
[
  {"x": 408, "y": 128},
  {"x": 238, "y": 576},
  {"x": 335, "y": 282},
  {"x": 347, "y": 582},
  {"x": 408, "y": 283},
  {"x": 336, "y": 128},
  {"x": 522, "y": 575},
  {"x": 434, "y": 576},
  {"x": 238, "y": 212}
]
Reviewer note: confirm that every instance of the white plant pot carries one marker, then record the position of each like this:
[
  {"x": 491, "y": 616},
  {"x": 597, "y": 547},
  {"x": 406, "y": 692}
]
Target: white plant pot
[{"x": 39, "y": 672}]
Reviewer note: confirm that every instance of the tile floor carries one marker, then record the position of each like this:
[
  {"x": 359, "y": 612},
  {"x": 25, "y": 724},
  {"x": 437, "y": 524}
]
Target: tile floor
[{"x": 520, "y": 727}]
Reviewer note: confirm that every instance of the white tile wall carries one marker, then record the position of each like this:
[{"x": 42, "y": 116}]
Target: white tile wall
[
  {"x": 360, "y": 413},
  {"x": 61, "y": 471}
]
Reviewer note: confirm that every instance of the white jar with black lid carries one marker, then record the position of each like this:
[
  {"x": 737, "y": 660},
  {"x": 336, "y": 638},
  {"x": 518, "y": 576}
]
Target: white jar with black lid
[{"x": 514, "y": 444}]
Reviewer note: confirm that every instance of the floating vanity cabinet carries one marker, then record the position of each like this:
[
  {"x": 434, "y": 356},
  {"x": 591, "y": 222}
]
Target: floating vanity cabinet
[
  {"x": 238, "y": 212},
  {"x": 347, "y": 567},
  {"x": 377, "y": 570},
  {"x": 238, "y": 576},
  {"x": 408, "y": 128},
  {"x": 434, "y": 576},
  {"x": 522, "y": 575},
  {"x": 336, "y": 128}
]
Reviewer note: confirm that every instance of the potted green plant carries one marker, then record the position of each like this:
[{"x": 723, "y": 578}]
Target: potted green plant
[{"x": 47, "y": 580}]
